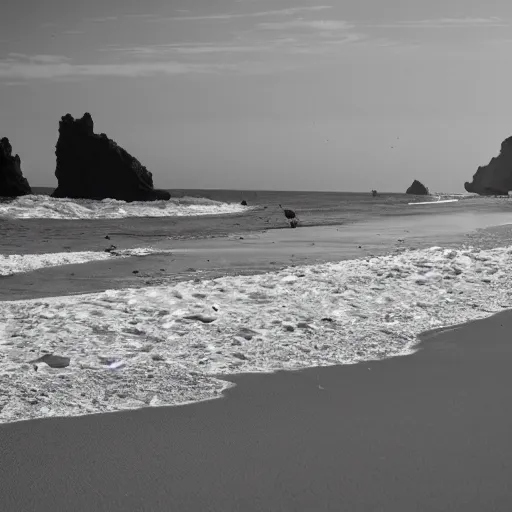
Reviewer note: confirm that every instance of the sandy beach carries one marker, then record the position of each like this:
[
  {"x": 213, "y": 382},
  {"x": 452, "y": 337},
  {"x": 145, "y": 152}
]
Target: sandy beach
[
  {"x": 255, "y": 256},
  {"x": 427, "y": 431},
  {"x": 430, "y": 431}
]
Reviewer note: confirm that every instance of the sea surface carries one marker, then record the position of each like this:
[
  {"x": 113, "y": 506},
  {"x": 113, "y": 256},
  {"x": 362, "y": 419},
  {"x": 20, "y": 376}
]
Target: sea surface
[{"x": 154, "y": 302}]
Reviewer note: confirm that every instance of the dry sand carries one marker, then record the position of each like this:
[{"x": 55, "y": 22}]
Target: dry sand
[{"x": 427, "y": 432}]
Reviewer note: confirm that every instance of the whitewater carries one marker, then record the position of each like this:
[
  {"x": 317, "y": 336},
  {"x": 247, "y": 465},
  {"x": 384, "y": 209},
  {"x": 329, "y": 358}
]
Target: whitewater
[
  {"x": 46, "y": 207},
  {"x": 12, "y": 264},
  {"x": 170, "y": 345}
]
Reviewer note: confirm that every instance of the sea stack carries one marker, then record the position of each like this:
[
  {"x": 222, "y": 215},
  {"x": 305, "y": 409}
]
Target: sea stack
[
  {"x": 418, "y": 189},
  {"x": 495, "y": 178},
  {"x": 92, "y": 166},
  {"x": 12, "y": 181}
]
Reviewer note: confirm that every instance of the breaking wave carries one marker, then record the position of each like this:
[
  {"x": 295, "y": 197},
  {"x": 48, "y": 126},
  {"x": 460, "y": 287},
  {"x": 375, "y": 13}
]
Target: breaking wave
[
  {"x": 46, "y": 207},
  {"x": 164, "y": 345}
]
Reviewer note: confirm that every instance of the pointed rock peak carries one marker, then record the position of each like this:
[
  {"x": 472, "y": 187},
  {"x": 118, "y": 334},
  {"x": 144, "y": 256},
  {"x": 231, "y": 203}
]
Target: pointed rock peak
[
  {"x": 417, "y": 188},
  {"x": 92, "y": 166},
  {"x": 12, "y": 181}
]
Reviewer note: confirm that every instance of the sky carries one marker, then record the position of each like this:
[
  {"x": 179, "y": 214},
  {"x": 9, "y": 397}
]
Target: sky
[{"x": 348, "y": 95}]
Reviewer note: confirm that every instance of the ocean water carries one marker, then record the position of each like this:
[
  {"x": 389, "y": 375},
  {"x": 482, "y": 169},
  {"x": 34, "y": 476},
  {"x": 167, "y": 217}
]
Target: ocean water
[
  {"x": 313, "y": 208},
  {"x": 168, "y": 344}
]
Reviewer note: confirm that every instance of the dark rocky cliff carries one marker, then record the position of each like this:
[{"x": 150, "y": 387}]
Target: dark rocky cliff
[
  {"x": 92, "y": 166},
  {"x": 495, "y": 178},
  {"x": 12, "y": 181}
]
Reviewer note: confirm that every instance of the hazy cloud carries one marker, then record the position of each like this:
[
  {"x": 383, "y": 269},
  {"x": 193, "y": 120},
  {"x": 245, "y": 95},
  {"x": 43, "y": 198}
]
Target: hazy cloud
[
  {"x": 278, "y": 12},
  {"x": 103, "y": 19},
  {"x": 467, "y": 22},
  {"x": 158, "y": 50},
  {"x": 37, "y": 59},
  {"x": 328, "y": 25},
  {"x": 24, "y": 67}
]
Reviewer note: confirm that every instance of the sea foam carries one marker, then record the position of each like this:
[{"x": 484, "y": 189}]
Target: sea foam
[
  {"x": 46, "y": 207},
  {"x": 164, "y": 345},
  {"x": 11, "y": 264}
]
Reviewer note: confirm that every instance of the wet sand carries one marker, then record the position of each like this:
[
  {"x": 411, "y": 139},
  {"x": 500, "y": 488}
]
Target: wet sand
[
  {"x": 425, "y": 432},
  {"x": 238, "y": 252}
]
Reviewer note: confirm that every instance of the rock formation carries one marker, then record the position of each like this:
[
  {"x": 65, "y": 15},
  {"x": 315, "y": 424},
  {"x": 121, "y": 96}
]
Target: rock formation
[
  {"x": 12, "y": 182},
  {"x": 495, "y": 178},
  {"x": 418, "y": 189},
  {"x": 92, "y": 166},
  {"x": 53, "y": 361}
]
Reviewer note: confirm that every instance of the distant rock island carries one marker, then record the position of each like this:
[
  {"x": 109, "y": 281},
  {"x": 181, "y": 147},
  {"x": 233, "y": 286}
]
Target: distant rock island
[
  {"x": 92, "y": 166},
  {"x": 418, "y": 189},
  {"x": 495, "y": 178},
  {"x": 12, "y": 181}
]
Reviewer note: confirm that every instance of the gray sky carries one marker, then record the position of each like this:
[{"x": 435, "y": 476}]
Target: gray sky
[{"x": 264, "y": 94}]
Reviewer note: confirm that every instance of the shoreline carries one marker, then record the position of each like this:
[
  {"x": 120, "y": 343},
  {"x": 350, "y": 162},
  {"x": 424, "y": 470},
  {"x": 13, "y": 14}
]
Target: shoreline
[
  {"x": 230, "y": 380},
  {"x": 425, "y": 431},
  {"x": 155, "y": 333},
  {"x": 238, "y": 253}
]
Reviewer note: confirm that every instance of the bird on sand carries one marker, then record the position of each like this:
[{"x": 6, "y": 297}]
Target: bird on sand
[{"x": 289, "y": 214}]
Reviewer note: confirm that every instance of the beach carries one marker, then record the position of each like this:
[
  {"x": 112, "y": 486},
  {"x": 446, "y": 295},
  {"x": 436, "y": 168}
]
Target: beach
[
  {"x": 429, "y": 431},
  {"x": 241, "y": 365}
]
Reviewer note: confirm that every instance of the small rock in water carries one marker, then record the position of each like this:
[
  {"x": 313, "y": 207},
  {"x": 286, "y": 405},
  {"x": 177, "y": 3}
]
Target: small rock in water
[
  {"x": 53, "y": 361},
  {"x": 244, "y": 203},
  {"x": 111, "y": 248},
  {"x": 135, "y": 271},
  {"x": 246, "y": 333},
  {"x": 201, "y": 318},
  {"x": 107, "y": 237}
]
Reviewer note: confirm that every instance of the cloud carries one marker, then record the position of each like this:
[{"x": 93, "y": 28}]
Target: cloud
[
  {"x": 36, "y": 59},
  {"x": 103, "y": 19},
  {"x": 278, "y": 12},
  {"x": 54, "y": 67},
  {"x": 467, "y": 22},
  {"x": 321, "y": 25},
  {"x": 197, "y": 48},
  {"x": 308, "y": 44}
]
